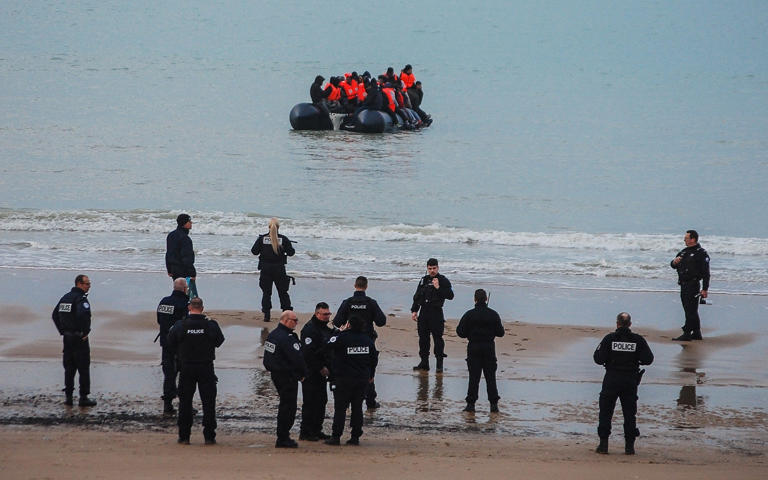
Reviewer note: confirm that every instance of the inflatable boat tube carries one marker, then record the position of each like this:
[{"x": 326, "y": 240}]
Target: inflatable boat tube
[{"x": 305, "y": 116}]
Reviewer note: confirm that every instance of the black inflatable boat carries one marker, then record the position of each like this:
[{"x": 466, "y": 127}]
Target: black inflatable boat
[{"x": 305, "y": 116}]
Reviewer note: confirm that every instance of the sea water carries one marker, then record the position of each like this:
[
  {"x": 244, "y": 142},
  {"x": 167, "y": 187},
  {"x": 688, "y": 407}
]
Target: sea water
[{"x": 573, "y": 143}]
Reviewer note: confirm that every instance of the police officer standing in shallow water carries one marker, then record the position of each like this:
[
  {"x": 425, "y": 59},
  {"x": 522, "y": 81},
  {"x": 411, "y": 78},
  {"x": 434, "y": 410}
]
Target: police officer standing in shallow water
[
  {"x": 369, "y": 311},
  {"x": 692, "y": 265},
  {"x": 196, "y": 338},
  {"x": 621, "y": 352},
  {"x": 273, "y": 250},
  {"x": 427, "y": 310},
  {"x": 285, "y": 363},
  {"x": 170, "y": 310},
  {"x": 72, "y": 317}
]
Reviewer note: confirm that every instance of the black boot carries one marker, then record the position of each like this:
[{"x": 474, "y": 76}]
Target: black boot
[
  {"x": 423, "y": 365},
  {"x": 86, "y": 402},
  {"x": 168, "y": 406},
  {"x": 68, "y": 401},
  {"x": 494, "y": 407},
  {"x": 266, "y": 316},
  {"x": 603, "y": 447},
  {"x": 470, "y": 407},
  {"x": 439, "y": 364},
  {"x": 629, "y": 446}
]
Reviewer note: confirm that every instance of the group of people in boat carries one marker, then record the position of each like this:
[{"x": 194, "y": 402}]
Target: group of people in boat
[{"x": 397, "y": 95}]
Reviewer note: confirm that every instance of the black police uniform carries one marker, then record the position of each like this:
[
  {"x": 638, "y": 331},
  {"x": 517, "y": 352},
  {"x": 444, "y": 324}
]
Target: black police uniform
[
  {"x": 196, "y": 338},
  {"x": 621, "y": 352},
  {"x": 72, "y": 317},
  {"x": 693, "y": 268},
  {"x": 314, "y": 388},
  {"x": 170, "y": 310},
  {"x": 285, "y": 363},
  {"x": 179, "y": 254},
  {"x": 428, "y": 301},
  {"x": 367, "y": 308},
  {"x": 353, "y": 366},
  {"x": 481, "y": 326},
  {"x": 272, "y": 267}
]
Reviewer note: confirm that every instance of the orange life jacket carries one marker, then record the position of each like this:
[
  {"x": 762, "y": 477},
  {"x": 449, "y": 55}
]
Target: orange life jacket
[
  {"x": 335, "y": 95},
  {"x": 390, "y": 96},
  {"x": 348, "y": 90},
  {"x": 408, "y": 79},
  {"x": 361, "y": 93}
]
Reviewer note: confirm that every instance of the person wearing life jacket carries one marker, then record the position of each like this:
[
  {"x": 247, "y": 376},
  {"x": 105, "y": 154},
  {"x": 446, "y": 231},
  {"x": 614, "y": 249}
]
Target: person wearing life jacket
[
  {"x": 334, "y": 94},
  {"x": 348, "y": 94},
  {"x": 389, "y": 103},
  {"x": 406, "y": 76},
  {"x": 390, "y": 76},
  {"x": 403, "y": 108},
  {"x": 373, "y": 97}
]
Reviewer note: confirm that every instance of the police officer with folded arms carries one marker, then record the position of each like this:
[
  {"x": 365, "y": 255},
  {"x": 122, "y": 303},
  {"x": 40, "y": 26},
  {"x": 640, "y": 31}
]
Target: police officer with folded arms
[
  {"x": 314, "y": 388},
  {"x": 72, "y": 317},
  {"x": 170, "y": 310},
  {"x": 481, "y": 326},
  {"x": 621, "y": 352},
  {"x": 273, "y": 250},
  {"x": 369, "y": 311},
  {"x": 285, "y": 363},
  {"x": 354, "y": 359},
  {"x": 692, "y": 265},
  {"x": 196, "y": 338},
  {"x": 427, "y": 310}
]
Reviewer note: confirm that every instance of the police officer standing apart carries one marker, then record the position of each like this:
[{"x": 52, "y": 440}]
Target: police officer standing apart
[
  {"x": 273, "y": 250},
  {"x": 353, "y": 366},
  {"x": 433, "y": 290},
  {"x": 314, "y": 389},
  {"x": 196, "y": 338},
  {"x": 369, "y": 311},
  {"x": 72, "y": 317},
  {"x": 285, "y": 363},
  {"x": 179, "y": 254},
  {"x": 692, "y": 265},
  {"x": 170, "y": 310},
  {"x": 481, "y": 326},
  {"x": 621, "y": 352}
]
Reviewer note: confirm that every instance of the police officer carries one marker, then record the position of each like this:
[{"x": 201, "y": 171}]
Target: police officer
[
  {"x": 196, "y": 338},
  {"x": 273, "y": 250},
  {"x": 481, "y": 325},
  {"x": 170, "y": 310},
  {"x": 179, "y": 254},
  {"x": 368, "y": 309},
  {"x": 314, "y": 389},
  {"x": 353, "y": 366},
  {"x": 427, "y": 310},
  {"x": 621, "y": 352},
  {"x": 72, "y": 317},
  {"x": 692, "y": 265},
  {"x": 285, "y": 363}
]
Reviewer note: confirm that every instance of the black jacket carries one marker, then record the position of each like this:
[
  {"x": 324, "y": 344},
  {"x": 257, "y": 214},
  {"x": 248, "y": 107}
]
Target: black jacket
[
  {"x": 195, "y": 338},
  {"x": 263, "y": 248},
  {"x": 314, "y": 337},
  {"x": 362, "y": 305},
  {"x": 316, "y": 92},
  {"x": 373, "y": 99},
  {"x": 179, "y": 255},
  {"x": 354, "y": 355},
  {"x": 428, "y": 296},
  {"x": 72, "y": 315},
  {"x": 282, "y": 353},
  {"x": 170, "y": 310},
  {"x": 623, "y": 351},
  {"x": 480, "y": 325},
  {"x": 694, "y": 265}
]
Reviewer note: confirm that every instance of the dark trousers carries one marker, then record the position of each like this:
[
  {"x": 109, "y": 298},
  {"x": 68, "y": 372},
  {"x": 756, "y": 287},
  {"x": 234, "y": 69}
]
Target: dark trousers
[
  {"x": 77, "y": 359},
  {"x": 198, "y": 376},
  {"x": 688, "y": 296},
  {"x": 621, "y": 385},
  {"x": 314, "y": 389},
  {"x": 168, "y": 360},
  {"x": 431, "y": 323},
  {"x": 348, "y": 392},
  {"x": 274, "y": 274},
  {"x": 287, "y": 386},
  {"x": 481, "y": 359},
  {"x": 370, "y": 394}
]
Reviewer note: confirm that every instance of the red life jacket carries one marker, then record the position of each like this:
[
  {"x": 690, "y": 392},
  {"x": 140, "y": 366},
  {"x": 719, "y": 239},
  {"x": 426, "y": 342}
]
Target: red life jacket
[
  {"x": 361, "y": 93},
  {"x": 407, "y": 79},
  {"x": 390, "y": 97},
  {"x": 335, "y": 95},
  {"x": 399, "y": 97},
  {"x": 348, "y": 90}
]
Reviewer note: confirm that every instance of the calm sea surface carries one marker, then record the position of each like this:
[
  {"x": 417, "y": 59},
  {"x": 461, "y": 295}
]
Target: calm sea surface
[{"x": 573, "y": 143}]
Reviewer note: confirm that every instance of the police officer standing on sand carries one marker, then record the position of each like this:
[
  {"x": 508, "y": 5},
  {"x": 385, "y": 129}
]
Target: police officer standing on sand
[
  {"x": 196, "y": 338},
  {"x": 692, "y": 265},
  {"x": 170, "y": 310},
  {"x": 427, "y": 310},
  {"x": 314, "y": 389},
  {"x": 72, "y": 317},
  {"x": 369, "y": 311},
  {"x": 353, "y": 366},
  {"x": 621, "y": 352},
  {"x": 273, "y": 250},
  {"x": 179, "y": 253},
  {"x": 481, "y": 326},
  {"x": 285, "y": 363}
]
